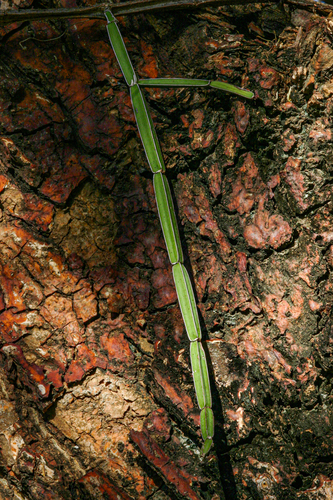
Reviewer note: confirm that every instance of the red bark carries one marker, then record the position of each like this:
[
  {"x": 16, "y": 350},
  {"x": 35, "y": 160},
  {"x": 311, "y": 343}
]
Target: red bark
[{"x": 97, "y": 398}]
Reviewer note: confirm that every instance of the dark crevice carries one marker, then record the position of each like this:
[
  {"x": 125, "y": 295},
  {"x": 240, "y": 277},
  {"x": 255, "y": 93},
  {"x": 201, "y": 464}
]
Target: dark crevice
[
  {"x": 249, "y": 439},
  {"x": 311, "y": 210},
  {"x": 158, "y": 479},
  {"x": 27, "y": 133}
]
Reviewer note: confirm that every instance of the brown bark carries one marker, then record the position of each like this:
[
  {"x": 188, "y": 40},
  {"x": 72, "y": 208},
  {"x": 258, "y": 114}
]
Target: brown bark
[{"x": 97, "y": 398}]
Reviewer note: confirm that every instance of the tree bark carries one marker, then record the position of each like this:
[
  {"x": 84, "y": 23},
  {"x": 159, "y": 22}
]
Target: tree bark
[{"x": 97, "y": 397}]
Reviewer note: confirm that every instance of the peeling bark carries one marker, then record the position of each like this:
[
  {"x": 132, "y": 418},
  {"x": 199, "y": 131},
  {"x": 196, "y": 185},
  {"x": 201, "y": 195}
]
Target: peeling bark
[{"x": 97, "y": 398}]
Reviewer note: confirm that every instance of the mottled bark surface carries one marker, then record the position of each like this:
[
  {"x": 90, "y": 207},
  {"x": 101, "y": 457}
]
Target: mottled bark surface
[{"x": 96, "y": 393}]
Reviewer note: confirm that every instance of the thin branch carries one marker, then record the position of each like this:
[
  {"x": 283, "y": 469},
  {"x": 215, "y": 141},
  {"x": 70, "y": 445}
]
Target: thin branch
[
  {"x": 134, "y": 7},
  {"x": 324, "y": 7}
]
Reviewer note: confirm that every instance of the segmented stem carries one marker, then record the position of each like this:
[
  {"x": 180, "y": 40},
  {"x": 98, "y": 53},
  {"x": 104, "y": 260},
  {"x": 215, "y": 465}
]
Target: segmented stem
[{"x": 167, "y": 216}]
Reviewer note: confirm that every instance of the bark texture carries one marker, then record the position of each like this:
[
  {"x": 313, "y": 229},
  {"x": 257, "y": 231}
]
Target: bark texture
[{"x": 96, "y": 393}]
